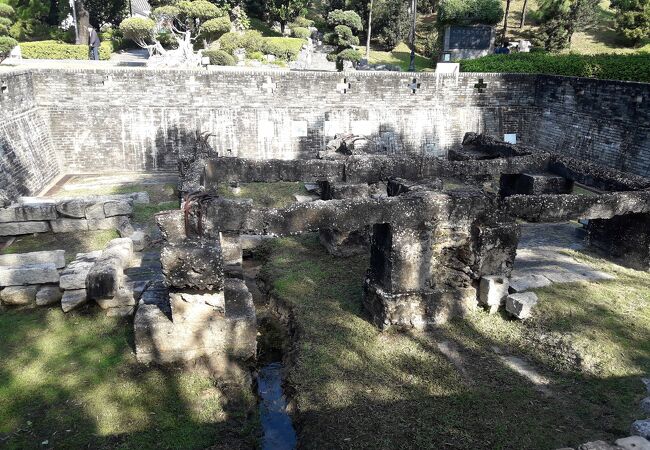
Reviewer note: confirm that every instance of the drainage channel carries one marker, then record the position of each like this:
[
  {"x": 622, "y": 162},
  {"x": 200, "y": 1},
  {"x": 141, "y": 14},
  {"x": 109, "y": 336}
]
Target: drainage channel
[{"x": 277, "y": 427}]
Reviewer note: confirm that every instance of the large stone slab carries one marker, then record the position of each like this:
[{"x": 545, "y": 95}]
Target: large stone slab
[
  {"x": 105, "y": 278},
  {"x": 29, "y": 274},
  {"x": 19, "y": 295},
  {"x": 48, "y": 295},
  {"x": 193, "y": 264},
  {"x": 22, "y": 213},
  {"x": 74, "y": 208},
  {"x": 69, "y": 225},
  {"x": 95, "y": 211},
  {"x": 73, "y": 299},
  {"x": 109, "y": 223},
  {"x": 124, "y": 298},
  {"x": 118, "y": 208},
  {"x": 20, "y": 228},
  {"x": 74, "y": 275},
  {"x": 56, "y": 257}
]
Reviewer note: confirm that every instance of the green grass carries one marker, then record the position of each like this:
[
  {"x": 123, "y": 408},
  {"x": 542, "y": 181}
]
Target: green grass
[
  {"x": 399, "y": 56},
  {"x": 157, "y": 192},
  {"x": 272, "y": 195},
  {"x": 72, "y": 243},
  {"x": 263, "y": 27},
  {"x": 356, "y": 387},
  {"x": 72, "y": 380}
]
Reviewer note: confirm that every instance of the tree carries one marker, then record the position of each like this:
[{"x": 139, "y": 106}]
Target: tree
[
  {"x": 369, "y": 34},
  {"x": 7, "y": 44},
  {"x": 632, "y": 19},
  {"x": 213, "y": 29},
  {"x": 562, "y": 18},
  {"x": 83, "y": 22},
  {"x": 505, "y": 19},
  {"x": 523, "y": 14},
  {"x": 6, "y": 13},
  {"x": 284, "y": 11}
]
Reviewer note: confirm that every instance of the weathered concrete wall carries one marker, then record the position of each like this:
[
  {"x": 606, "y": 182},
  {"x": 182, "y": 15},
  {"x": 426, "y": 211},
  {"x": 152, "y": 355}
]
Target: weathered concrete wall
[{"x": 28, "y": 161}]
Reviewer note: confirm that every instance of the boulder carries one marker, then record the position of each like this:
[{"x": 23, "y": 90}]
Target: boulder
[
  {"x": 646, "y": 382},
  {"x": 118, "y": 208},
  {"x": 74, "y": 208},
  {"x": 493, "y": 291},
  {"x": 125, "y": 228},
  {"x": 69, "y": 225},
  {"x": 641, "y": 428},
  {"x": 73, "y": 299},
  {"x": 140, "y": 240},
  {"x": 597, "y": 445},
  {"x": 645, "y": 405},
  {"x": 193, "y": 264},
  {"x": 74, "y": 275},
  {"x": 48, "y": 295},
  {"x": 56, "y": 257},
  {"x": 633, "y": 443},
  {"x": 28, "y": 274},
  {"x": 20, "y": 228},
  {"x": 19, "y": 295},
  {"x": 121, "y": 248},
  {"x": 521, "y": 305},
  {"x": 123, "y": 298},
  {"x": 95, "y": 211}
]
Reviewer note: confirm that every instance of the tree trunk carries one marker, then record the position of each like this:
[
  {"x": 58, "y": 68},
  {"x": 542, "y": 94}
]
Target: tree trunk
[
  {"x": 369, "y": 31},
  {"x": 83, "y": 22},
  {"x": 505, "y": 20},
  {"x": 523, "y": 14}
]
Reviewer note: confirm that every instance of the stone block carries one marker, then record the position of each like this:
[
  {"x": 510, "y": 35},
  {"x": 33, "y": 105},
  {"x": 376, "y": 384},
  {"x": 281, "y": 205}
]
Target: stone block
[
  {"x": 19, "y": 295},
  {"x": 73, "y": 208},
  {"x": 48, "y": 295},
  {"x": 521, "y": 305},
  {"x": 118, "y": 208},
  {"x": 20, "y": 228},
  {"x": 231, "y": 249},
  {"x": 193, "y": 264},
  {"x": 125, "y": 227},
  {"x": 74, "y": 275},
  {"x": 196, "y": 306},
  {"x": 29, "y": 274},
  {"x": 123, "y": 298},
  {"x": 493, "y": 291},
  {"x": 56, "y": 257},
  {"x": 633, "y": 443},
  {"x": 171, "y": 225},
  {"x": 527, "y": 282},
  {"x": 121, "y": 248},
  {"x": 641, "y": 428},
  {"x": 105, "y": 278},
  {"x": 95, "y": 211},
  {"x": 69, "y": 225},
  {"x": 140, "y": 240},
  {"x": 73, "y": 299},
  {"x": 23, "y": 213},
  {"x": 110, "y": 223}
]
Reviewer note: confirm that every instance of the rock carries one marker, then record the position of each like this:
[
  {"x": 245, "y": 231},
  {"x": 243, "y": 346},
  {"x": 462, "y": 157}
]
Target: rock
[
  {"x": 29, "y": 274},
  {"x": 19, "y": 295},
  {"x": 124, "y": 311},
  {"x": 123, "y": 244},
  {"x": 193, "y": 264},
  {"x": 596, "y": 445},
  {"x": 48, "y": 295},
  {"x": 125, "y": 228},
  {"x": 105, "y": 278},
  {"x": 171, "y": 225},
  {"x": 73, "y": 299},
  {"x": 633, "y": 443},
  {"x": 493, "y": 291},
  {"x": 646, "y": 382},
  {"x": 140, "y": 240},
  {"x": 124, "y": 297},
  {"x": 521, "y": 305},
  {"x": 33, "y": 212},
  {"x": 525, "y": 283},
  {"x": 110, "y": 223},
  {"x": 645, "y": 405},
  {"x": 641, "y": 428},
  {"x": 74, "y": 275},
  {"x": 69, "y": 225},
  {"x": 75, "y": 208},
  {"x": 56, "y": 257},
  {"x": 118, "y": 208},
  {"x": 19, "y": 228},
  {"x": 95, "y": 211},
  {"x": 139, "y": 197}
]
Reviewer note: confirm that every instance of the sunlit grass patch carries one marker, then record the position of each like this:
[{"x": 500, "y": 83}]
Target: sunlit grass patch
[{"x": 272, "y": 195}]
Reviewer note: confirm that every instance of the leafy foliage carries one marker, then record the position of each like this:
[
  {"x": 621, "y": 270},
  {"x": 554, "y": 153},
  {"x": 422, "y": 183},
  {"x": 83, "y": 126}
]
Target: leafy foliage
[
  {"x": 286, "y": 49},
  {"x": 300, "y": 32},
  {"x": 342, "y": 37},
  {"x": 561, "y": 18},
  {"x": 632, "y": 19},
  {"x": 250, "y": 40},
  {"x": 213, "y": 29},
  {"x": 219, "y": 57},
  {"x": 632, "y": 67},
  {"x": 350, "y": 54},
  {"x": 167, "y": 12},
  {"x": 284, "y": 11},
  {"x": 200, "y": 10},
  {"x": 348, "y": 18},
  {"x": 138, "y": 29},
  {"x": 7, "y": 44},
  {"x": 6, "y": 10},
  {"x": 62, "y": 50},
  {"x": 469, "y": 12},
  {"x": 301, "y": 22}
]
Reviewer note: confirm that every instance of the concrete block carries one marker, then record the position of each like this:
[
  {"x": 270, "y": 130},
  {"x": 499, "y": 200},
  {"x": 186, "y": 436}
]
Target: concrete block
[
  {"x": 493, "y": 291},
  {"x": 521, "y": 305},
  {"x": 56, "y": 257},
  {"x": 29, "y": 274},
  {"x": 20, "y": 228},
  {"x": 193, "y": 264},
  {"x": 48, "y": 295},
  {"x": 73, "y": 299},
  {"x": 69, "y": 225},
  {"x": 19, "y": 295}
]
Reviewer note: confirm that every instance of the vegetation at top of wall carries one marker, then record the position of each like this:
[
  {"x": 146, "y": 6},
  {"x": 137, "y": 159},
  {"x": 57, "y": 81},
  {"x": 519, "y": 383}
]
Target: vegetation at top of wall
[
  {"x": 285, "y": 48},
  {"x": 61, "y": 50},
  {"x": 469, "y": 12},
  {"x": 629, "y": 67},
  {"x": 219, "y": 57}
]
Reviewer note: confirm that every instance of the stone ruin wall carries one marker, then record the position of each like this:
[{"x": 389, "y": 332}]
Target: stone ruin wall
[{"x": 87, "y": 120}]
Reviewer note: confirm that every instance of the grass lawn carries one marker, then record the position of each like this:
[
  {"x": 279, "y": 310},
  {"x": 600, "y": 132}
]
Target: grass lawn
[
  {"x": 71, "y": 381},
  {"x": 356, "y": 387},
  {"x": 399, "y": 56},
  {"x": 271, "y": 195}
]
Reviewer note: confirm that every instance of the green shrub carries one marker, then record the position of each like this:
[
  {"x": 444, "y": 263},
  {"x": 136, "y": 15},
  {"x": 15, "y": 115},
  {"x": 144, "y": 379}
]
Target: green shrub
[
  {"x": 138, "y": 29},
  {"x": 219, "y": 57},
  {"x": 61, "y": 50},
  {"x": 632, "y": 67},
  {"x": 6, "y": 10},
  {"x": 215, "y": 28},
  {"x": 166, "y": 12},
  {"x": 200, "y": 9},
  {"x": 7, "y": 44},
  {"x": 350, "y": 54},
  {"x": 250, "y": 40},
  {"x": 301, "y": 22},
  {"x": 469, "y": 12},
  {"x": 348, "y": 18},
  {"x": 286, "y": 49},
  {"x": 5, "y": 25},
  {"x": 300, "y": 32},
  {"x": 258, "y": 56}
]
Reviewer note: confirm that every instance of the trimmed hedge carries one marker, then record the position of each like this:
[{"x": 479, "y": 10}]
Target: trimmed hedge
[
  {"x": 7, "y": 44},
  {"x": 61, "y": 50},
  {"x": 633, "y": 67},
  {"x": 219, "y": 57},
  {"x": 300, "y": 32},
  {"x": 286, "y": 49},
  {"x": 469, "y": 12}
]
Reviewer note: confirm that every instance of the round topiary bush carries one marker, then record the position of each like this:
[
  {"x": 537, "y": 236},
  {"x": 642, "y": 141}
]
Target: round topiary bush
[
  {"x": 350, "y": 54},
  {"x": 348, "y": 18},
  {"x": 215, "y": 28},
  {"x": 219, "y": 57},
  {"x": 6, "y": 10},
  {"x": 200, "y": 9},
  {"x": 7, "y": 44},
  {"x": 166, "y": 12},
  {"x": 300, "y": 32},
  {"x": 5, "y": 25},
  {"x": 138, "y": 29},
  {"x": 301, "y": 22}
]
